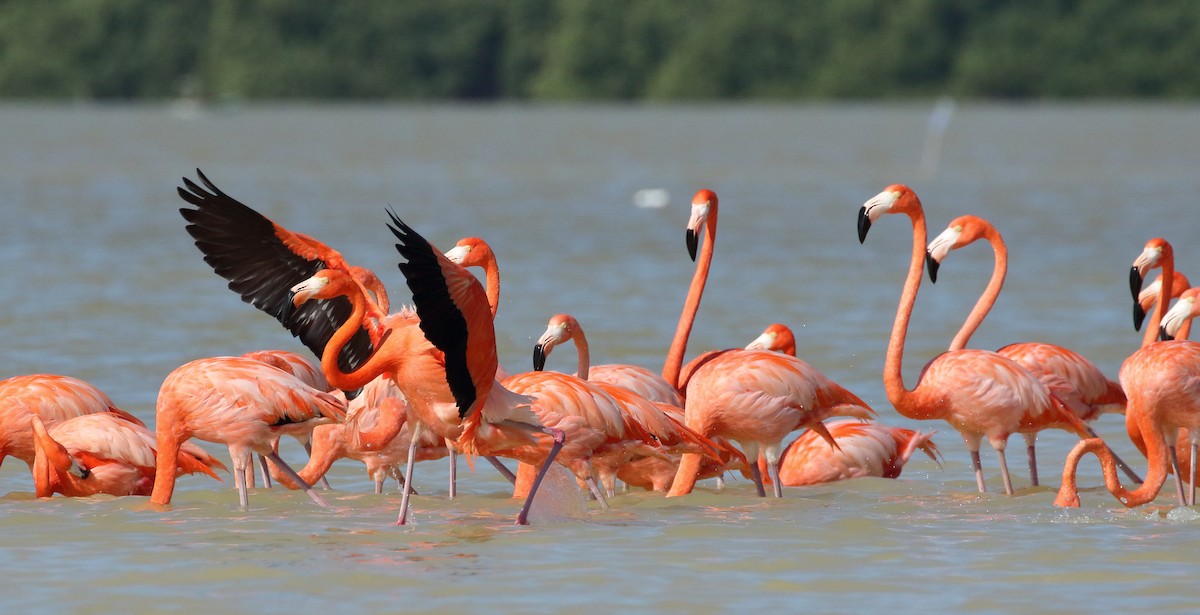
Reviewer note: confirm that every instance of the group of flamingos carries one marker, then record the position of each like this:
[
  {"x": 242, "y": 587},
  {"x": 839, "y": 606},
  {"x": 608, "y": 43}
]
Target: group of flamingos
[{"x": 424, "y": 382}]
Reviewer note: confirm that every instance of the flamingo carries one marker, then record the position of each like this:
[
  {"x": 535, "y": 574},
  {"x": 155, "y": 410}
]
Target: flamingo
[
  {"x": 103, "y": 453},
  {"x": 50, "y": 397},
  {"x": 864, "y": 449},
  {"x": 660, "y": 419},
  {"x": 376, "y": 433},
  {"x": 443, "y": 356},
  {"x": 753, "y": 397},
  {"x": 980, "y": 393},
  {"x": 1078, "y": 382},
  {"x": 777, "y": 337},
  {"x": 262, "y": 261},
  {"x": 242, "y": 403},
  {"x": 1162, "y": 381}
]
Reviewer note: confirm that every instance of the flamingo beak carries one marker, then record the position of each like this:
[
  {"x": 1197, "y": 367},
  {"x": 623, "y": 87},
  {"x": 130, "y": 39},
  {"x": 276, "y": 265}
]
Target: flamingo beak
[
  {"x": 539, "y": 358},
  {"x": 1135, "y": 281},
  {"x": 864, "y": 224},
  {"x": 932, "y": 265},
  {"x": 1163, "y": 336},
  {"x": 693, "y": 243},
  {"x": 1139, "y": 315}
]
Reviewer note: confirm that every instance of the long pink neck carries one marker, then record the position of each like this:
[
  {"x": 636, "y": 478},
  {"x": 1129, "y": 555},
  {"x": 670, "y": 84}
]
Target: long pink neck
[
  {"x": 585, "y": 360},
  {"x": 893, "y": 378},
  {"x": 1164, "y": 302},
  {"x": 1156, "y": 453},
  {"x": 491, "y": 276},
  {"x": 368, "y": 371},
  {"x": 674, "y": 363},
  {"x": 988, "y": 298}
]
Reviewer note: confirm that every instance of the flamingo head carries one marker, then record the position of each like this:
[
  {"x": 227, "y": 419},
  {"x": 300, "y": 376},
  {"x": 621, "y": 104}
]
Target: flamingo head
[
  {"x": 1154, "y": 254},
  {"x": 777, "y": 338},
  {"x": 961, "y": 232},
  {"x": 895, "y": 199},
  {"x": 52, "y": 462},
  {"x": 325, "y": 284},
  {"x": 562, "y": 327},
  {"x": 470, "y": 252},
  {"x": 1183, "y": 310},
  {"x": 703, "y": 204}
]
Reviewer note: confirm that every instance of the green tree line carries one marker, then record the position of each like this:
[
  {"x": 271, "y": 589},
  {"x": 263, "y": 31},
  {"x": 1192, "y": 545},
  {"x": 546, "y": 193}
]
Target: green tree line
[{"x": 620, "y": 50}]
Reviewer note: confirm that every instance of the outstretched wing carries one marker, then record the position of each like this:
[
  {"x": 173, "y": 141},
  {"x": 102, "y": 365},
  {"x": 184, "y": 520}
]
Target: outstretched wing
[
  {"x": 262, "y": 261},
  {"x": 454, "y": 314}
]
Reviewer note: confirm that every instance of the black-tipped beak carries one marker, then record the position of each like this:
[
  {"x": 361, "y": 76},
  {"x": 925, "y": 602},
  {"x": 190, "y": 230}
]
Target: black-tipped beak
[
  {"x": 864, "y": 224},
  {"x": 693, "y": 242},
  {"x": 1135, "y": 282},
  {"x": 932, "y": 265},
  {"x": 289, "y": 306},
  {"x": 1139, "y": 315},
  {"x": 539, "y": 358},
  {"x": 1162, "y": 335}
]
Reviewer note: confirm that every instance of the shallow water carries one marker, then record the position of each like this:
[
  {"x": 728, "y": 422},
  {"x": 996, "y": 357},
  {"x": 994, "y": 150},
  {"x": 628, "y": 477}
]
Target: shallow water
[{"x": 104, "y": 284}]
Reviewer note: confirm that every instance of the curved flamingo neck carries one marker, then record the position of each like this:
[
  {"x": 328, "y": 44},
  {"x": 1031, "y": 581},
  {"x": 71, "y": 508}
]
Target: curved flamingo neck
[
  {"x": 990, "y": 293},
  {"x": 691, "y": 306},
  {"x": 581, "y": 347},
  {"x": 491, "y": 277},
  {"x": 893, "y": 378},
  {"x": 349, "y": 381},
  {"x": 1164, "y": 301},
  {"x": 1156, "y": 476}
]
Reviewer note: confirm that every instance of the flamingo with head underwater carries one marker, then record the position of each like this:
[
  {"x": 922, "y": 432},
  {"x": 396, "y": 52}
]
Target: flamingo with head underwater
[
  {"x": 980, "y": 393},
  {"x": 753, "y": 397}
]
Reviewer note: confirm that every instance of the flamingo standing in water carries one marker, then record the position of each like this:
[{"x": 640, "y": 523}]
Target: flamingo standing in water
[
  {"x": 242, "y": 403},
  {"x": 661, "y": 420},
  {"x": 753, "y": 397},
  {"x": 1076, "y": 381},
  {"x": 1162, "y": 381},
  {"x": 50, "y": 397},
  {"x": 103, "y": 453},
  {"x": 980, "y": 393},
  {"x": 443, "y": 357}
]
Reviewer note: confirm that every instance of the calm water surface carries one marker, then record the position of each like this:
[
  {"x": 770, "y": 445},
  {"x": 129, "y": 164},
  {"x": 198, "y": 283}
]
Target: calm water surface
[{"x": 104, "y": 284}]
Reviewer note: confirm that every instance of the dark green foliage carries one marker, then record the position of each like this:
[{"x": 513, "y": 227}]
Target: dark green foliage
[{"x": 598, "y": 49}]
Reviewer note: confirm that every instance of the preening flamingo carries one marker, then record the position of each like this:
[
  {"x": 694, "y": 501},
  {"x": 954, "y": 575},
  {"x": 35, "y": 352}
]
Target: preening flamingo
[
  {"x": 776, "y": 337},
  {"x": 50, "y": 397},
  {"x": 753, "y": 397},
  {"x": 661, "y": 420},
  {"x": 1076, "y": 381},
  {"x": 103, "y": 453},
  {"x": 980, "y": 393},
  {"x": 864, "y": 449},
  {"x": 242, "y": 403},
  {"x": 262, "y": 261},
  {"x": 308, "y": 373},
  {"x": 443, "y": 356}
]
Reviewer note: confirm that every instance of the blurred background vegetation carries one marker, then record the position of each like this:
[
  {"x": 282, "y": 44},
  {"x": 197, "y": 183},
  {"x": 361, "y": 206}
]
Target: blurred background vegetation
[{"x": 612, "y": 50}]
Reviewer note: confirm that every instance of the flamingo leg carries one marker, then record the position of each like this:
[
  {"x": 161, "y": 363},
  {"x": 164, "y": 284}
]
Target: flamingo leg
[
  {"x": 773, "y": 472},
  {"x": 1178, "y": 478},
  {"x": 502, "y": 469},
  {"x": 1008, "y": 489},
  {"x": 453, "y": 491},
  {"x": 299, "y": 481},
  {"x": 596, "y": 492},
  {"x": 239, "y": 478},
  {"x": 1192, "y": 475},
  {"x": 266, "y": 472},
  {"x": 758, "y": 483},
  {"x": 975, "y": 463},
  {"x": 559, "y": 438},
  {"x": 1033, "y": 475},
  {"x": 408, "y": 470}
]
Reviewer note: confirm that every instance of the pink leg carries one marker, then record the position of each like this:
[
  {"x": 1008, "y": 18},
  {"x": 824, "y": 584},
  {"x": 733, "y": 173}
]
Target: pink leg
[{"x": 299, "y": 481}]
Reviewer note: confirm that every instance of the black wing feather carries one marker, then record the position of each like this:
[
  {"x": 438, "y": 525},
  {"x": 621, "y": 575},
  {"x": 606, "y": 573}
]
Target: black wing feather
[
  {"x": 441, "y": 320},
  {"x": 241, "y": 246}
]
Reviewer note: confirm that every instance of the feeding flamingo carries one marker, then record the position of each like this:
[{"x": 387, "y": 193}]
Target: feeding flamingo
[
  {"x": 50, "y": 397},
  {"x": 1078, "y": 382},
  {"x": 753, "y": 397},
  {"x": 980, "y": 393},
  {"x": 864, "y": 449},
  {"x": 103, "y": 453},
  {"x": 242, "y": 403}
]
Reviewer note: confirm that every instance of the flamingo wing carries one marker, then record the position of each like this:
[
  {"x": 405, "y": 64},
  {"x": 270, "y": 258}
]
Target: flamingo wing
[
  {"x": 262, "y": 261},
  {"x": 454, "y": 315}
]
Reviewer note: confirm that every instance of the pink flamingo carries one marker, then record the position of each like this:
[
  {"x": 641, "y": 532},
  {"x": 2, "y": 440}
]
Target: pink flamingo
[
  {"x": 308, "y": 373},
  {"x": 443, "y": 357},
  {"x": 776, "y": 337},
  {"x": 980, "y": 393},
  {"x": 1076, "y": 381},
  {"x": 753, "y": 397},
  {"x": 103, "y": 453},
  {"x": 51, "y": 398},
  {"x": 864, "y": 449},
  {"x": 242, "y": 403}
]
